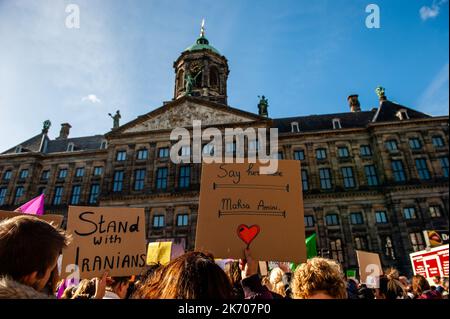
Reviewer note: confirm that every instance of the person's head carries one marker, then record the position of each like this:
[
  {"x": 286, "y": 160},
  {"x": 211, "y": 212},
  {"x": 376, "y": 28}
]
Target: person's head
[
  {"x": 233, "y": 272},
  {"x": 84, "y": 290},
  {"x": 193, "y": 275},
  {"x": 29, "y": 250},
  {"x": 437, "y": 280},
  {"x": 390, "y": 286},
  {"x": 419, "y": 285},
  {"x": 276, "y": 281},
  {"x": 404, "y": 281},
  {"x": 319, "y": 278},
  {"x": 119, "y": 285}
]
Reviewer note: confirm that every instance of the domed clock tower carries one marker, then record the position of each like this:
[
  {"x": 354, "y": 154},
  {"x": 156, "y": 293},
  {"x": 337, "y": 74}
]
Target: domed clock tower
[{"x": 201, "y": 71}]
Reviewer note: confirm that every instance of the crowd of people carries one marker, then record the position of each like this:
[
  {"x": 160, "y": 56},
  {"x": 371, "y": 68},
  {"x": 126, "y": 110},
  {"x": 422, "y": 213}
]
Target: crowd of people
[{"x": 30, "y": 247}]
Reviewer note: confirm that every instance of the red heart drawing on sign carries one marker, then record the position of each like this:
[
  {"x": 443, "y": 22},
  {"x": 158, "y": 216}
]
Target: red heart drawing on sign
[{"x": 246, "y": 233}]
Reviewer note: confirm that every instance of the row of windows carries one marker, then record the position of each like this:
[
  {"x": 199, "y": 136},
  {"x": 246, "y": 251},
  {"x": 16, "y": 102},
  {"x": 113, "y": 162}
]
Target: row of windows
[
  {"x": 415, "y": 143},
  {"x": 357, "y": 218},
  {"x": 159, "y": 220},
  {"x": 62, "y": 173},
  {"x": 360, "y": 243},
  {"x": 161, "y": 181}
]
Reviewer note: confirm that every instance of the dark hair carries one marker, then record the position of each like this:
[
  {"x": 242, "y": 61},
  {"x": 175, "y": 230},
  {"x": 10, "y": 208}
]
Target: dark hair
[
  {"x": 29, "y": 244},
  {"x": 113, "y": 282},
  {"x": 419, "y": 285},
  {"x": 390, "y": 286},
  {"x": 193, "y": 275}
]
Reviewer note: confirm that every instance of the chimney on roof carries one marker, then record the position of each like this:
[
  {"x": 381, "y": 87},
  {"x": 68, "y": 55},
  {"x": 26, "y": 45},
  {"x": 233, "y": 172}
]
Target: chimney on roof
[
  {"x": 64, "y": 132},
  {"x": 353, "y": 102}
]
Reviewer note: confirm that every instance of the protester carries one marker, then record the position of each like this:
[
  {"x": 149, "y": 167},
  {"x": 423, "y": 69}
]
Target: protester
[
  {"x": 438, "y": 283},
  {"x": 352, "y": 289},
  {"x": 117, "y": 288},
  {"x": 234, "y": 274},
  {"x": 275, "y": 283},
  {"x": 365, "y": 293},
  {"x": 319, "y": 278},
  {"x": 422, "y": 289},
  {"x": 408, "y": 289},
  {"x": 29, "y": 250},
  {"x": 251, "y": 282},
  {"x": 193, "y": 275},
  {"x": 90, "y": 289},
  {"x": 390, "y": 286}
]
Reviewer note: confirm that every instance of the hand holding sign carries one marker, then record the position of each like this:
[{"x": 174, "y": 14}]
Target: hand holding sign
[{"x": 248, "y": 266}]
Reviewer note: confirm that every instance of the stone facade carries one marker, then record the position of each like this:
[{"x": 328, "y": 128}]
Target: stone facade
[{"x": 364, "y": 204}]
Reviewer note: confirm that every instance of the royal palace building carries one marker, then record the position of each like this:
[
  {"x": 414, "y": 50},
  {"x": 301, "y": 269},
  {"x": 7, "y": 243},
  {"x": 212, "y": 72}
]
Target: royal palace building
[{"x": 372, "y": 179}]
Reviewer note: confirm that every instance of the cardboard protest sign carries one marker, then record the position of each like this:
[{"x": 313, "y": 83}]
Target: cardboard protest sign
[
  {"x": 351, "y": 273},
  {"x": 370, "y": 268},
  {"x": 159, "y": 252},
  {"x": 56, "y": 220},
  {"x": 239, "y": 208},
  {"x": 263, "y": 268},
  {"x": 105, "y": 239},
  {"x": 430, "y": 263}
]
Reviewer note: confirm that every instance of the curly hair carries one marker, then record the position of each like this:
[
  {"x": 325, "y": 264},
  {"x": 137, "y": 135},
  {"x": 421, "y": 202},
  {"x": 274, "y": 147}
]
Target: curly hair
[
  {"x": 276, "y": 281},
  {"x": 319, "y": 275}
]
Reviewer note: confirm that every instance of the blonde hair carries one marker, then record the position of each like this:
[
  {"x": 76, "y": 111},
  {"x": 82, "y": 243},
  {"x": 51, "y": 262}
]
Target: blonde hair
[
  {"x": 276, "y": 281},
  {"x": 319, "y": 275}
]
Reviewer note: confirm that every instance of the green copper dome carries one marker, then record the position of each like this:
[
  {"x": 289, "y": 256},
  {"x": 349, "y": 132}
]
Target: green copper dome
[{"x": 200, "y": 44}]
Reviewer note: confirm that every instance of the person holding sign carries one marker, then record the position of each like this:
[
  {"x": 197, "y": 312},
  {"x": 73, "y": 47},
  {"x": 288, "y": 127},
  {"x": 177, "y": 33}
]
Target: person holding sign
[{"x": 29, "y": 250}]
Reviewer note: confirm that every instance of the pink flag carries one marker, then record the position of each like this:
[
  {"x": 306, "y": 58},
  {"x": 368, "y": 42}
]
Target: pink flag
[{"x": 33, "y": 207}]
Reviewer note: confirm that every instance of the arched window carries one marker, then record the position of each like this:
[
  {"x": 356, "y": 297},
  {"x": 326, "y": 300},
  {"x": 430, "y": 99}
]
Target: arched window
[
  {"x": 213, "y": 77},
  {"x": 198, "y": 80},
  {"x": 180, "y": 80}
]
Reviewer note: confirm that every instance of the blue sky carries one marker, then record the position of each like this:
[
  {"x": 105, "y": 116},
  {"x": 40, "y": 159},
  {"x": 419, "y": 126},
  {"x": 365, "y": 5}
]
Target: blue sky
[{"x": 305, "y": 56}]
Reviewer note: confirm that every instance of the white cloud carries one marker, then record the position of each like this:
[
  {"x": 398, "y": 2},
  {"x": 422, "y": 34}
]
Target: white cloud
[
  {"x": 435, "y": 99},
  {"x": 433, "y": 11},
  {"x": 91, "y": 98}
]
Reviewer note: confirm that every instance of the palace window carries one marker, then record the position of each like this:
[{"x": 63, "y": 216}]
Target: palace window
[
  {"x": 158, "y": 221},
  {"x": 62, "y": 173},
  {"x": 444, "y": 165},
  {"x": 435, "y": 211},
  {"x": 23, "y": 174},
  {"x": 402, "y": 115},
  {"x": 336, "y": 124},
  {"x": 371, "y": 175},
  {"x": 388, "y": 247},
  {"x": 321, "y": 153},
  {"x": 422, "y": 169},
  {"x": 280, "y": 155},
  {"x": 336, "y": 250},
  {"x": 18, "y": 194},
  {"x": 104, "y": 145},
  {"x": 18, "y": 149},
  {"x": 184, "y": 179},
  {"x": 356, "y": 218},
  {"x": 398, "y": 171},
  {"x": 295, "y": 127},
  {"x": 343, "y": 152},
  {"x": 409, "y": 213},
  {"x": 70, "y": 147},
  {"x": 438, "y": 141},
  {"x": 75, "y": 198},
  {"x": 309, "y": 221},
  {"x": 163, "y": 152},
  {"x": 139, "y": 179},
  {"x": 325, "y": 178},
  {"x": 79, "y": 172},
  {"x": 381, "y": 217},
  {"x": 161, "y": 178},
  {"x": 185, "y": 151},
  {"x": 182, "y": 220},
  {"x": 7, "y": 175},
  {"x": 41, "y": 190},
  {"x": 98, "y": 170},
  {"x": 118, "y": 181},
  {"x": 142, "y": 154},
  {"x": 299, "y": 155},
  {"x": 58, "y": 195},
  {"x": 45, "y": 175},
  {"x": 391, "y": 145},
  {"x": 365, "y": 150},
  {"x": 121, "y": 156},
  {"x": 349, "y": 179},
  {"x": 416, "y": 240},
  {"x": 332, "y": 219},
  {"x": 213, "y": 77},
  {"x": 415, "y": 143},
  {"x": 2, "y": 195},
  {"x": 305, "y": 185},
  {"x": 360, "y": 243},
  {"x": 93, "y": 193}
]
